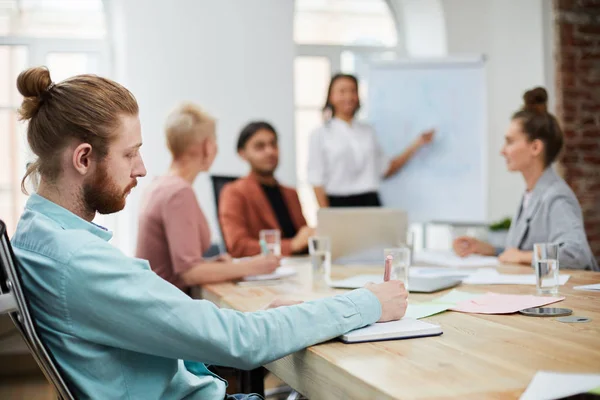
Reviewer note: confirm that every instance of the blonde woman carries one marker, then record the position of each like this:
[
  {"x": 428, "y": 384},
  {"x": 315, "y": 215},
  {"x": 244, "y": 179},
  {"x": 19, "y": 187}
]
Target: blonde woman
[{"x": 173, "y": 231}]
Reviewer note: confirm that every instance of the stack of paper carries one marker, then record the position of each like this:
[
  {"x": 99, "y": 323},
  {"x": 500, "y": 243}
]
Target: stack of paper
[
  {"x": 441, "y": 304},
  {"x": 358, "y": 281},
  {"x": 554, "y": 385},
  {"x": 433, "y": 272},
  {"x": 591, "y": 288},
  {"x": 494, "y": 303},
  {"x": 450, "y": 259},
  {"x": 492, "y": 277},
  {"x": 422, "y": 310},
  {"x": 457, "y": 296},
  {"x": 281, "y": 272}
]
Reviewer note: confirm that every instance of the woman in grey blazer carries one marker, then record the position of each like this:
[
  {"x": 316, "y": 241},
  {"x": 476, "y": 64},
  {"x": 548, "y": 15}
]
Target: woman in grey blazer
[{"x": 549, "y": 211}]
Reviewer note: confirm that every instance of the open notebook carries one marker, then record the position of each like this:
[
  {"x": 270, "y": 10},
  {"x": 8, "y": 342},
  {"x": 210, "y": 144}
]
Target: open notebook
[
  {"x": 279, "y": 273},
  {"x": 406, "y": 328}
]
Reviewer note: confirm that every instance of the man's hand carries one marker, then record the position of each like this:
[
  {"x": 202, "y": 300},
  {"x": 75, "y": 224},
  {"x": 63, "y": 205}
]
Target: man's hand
[{"x": 392, "y": 295}]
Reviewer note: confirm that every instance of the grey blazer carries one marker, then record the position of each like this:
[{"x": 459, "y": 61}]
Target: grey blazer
[{"x": 553, "y": 215}]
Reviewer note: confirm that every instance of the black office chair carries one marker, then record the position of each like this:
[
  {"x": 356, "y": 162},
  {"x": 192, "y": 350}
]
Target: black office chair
[
  {"x": 218, "y": 182},
  {"x": 14, "y": 303}
]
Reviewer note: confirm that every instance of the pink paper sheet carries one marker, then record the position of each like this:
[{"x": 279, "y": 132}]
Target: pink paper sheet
[{"x": 494, "y": 303}]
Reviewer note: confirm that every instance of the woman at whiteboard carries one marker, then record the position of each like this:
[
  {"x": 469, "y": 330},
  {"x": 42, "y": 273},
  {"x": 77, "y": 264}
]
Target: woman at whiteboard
[
  {"x": 549, "y": 211},
  {"x": 346, "y": 163}
]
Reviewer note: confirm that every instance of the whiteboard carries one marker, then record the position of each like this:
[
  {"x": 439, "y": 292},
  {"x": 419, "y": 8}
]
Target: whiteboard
[{"x": 447, "y": 179}]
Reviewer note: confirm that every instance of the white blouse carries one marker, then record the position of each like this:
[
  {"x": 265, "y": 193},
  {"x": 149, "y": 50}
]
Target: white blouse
[{"x": 346, "y": 158}]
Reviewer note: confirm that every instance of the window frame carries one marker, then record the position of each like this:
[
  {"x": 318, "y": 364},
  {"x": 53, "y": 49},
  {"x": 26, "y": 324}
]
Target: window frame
[{"x": 38, "y": 50}]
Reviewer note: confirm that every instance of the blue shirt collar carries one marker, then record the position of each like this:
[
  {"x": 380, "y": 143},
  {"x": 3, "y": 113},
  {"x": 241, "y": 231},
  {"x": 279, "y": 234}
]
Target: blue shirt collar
[{"x": 65, "y": 218}]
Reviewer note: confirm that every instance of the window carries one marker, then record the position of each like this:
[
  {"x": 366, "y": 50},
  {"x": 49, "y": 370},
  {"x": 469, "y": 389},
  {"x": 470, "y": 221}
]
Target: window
[
  {"x": 52, "y": 18},
  {"x": 12, "y": 136},
  {"x": 344, "y": 22},
  {"x": 311, "y": 80},
  {"x": 333, "y": 36},
  {"x": 61, "y": 34},
  {"x": 66, "y": 64}
]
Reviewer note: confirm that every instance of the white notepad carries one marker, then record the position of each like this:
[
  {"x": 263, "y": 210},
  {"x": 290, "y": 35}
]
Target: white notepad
[
  {"x": 279, "y": 273},
  {"x": 594, "y": 288},
  {"x": 406, "y": 328},
  {"x": 450, "y": 259},
  {"x": 493, "y": 277}
]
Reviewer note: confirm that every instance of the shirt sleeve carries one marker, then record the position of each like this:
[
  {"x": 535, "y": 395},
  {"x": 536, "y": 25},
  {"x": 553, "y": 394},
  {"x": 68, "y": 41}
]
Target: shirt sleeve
[
  {"x": 180, "y": 216},
  {"x": 316, "y": 173},
  {"x": 381, "y": 158},
  {"x": 566, "y": 228},
  {"x": 117, "y": 301}
]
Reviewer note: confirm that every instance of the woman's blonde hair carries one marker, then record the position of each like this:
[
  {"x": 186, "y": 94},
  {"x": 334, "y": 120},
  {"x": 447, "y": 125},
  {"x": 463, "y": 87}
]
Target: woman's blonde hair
[{"x": 186, "y": 124}]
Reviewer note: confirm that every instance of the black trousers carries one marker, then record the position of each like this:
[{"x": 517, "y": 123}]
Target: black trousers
[{"x": 370, "y": 199}]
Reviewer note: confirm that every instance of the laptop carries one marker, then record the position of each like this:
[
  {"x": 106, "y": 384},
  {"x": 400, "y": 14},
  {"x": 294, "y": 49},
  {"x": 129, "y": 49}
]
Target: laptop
[
  {"x": 416, "y": 284},
  {"x": 359, "y": 235}
]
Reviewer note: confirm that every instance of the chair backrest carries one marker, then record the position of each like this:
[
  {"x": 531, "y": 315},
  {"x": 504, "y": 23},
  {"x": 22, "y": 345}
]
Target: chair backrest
[
  {"x": 18, "y": 310},
  {"x": 218, "y": 182}
]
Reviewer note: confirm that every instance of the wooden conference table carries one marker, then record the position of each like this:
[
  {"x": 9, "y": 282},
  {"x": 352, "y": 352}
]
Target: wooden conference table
[{"x": 477, "y": 357}]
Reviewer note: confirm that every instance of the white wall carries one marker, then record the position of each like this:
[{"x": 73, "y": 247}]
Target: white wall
[
  {"x": 423, "y": 27},
  {"x": 234, "y": 58},
  {"x": 511, "y": 34},
  {"x": 515, "y": 36}
]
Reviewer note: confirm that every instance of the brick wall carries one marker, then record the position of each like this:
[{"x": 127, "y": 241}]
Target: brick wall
[{"x": 577, "y": 54}]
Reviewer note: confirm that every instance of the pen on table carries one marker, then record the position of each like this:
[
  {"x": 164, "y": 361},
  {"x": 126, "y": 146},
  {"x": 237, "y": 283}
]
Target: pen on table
[
  {"x": 264, "y": 248},
  {"x": 387, "y": 273}
]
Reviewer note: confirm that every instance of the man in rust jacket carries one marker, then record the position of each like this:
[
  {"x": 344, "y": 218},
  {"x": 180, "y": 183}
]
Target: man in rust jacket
[{"x": 258, "y": 201}]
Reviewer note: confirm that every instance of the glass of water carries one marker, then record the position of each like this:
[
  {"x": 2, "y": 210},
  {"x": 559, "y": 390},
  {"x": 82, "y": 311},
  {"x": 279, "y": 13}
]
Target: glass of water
[
  {"x": 272, "y": 238},
  {"x": 319, "y": 248},
  {"x": 400, "y": 263},
  {"x": 546, "y": 267},
  {"x": 410, "y": 244}
]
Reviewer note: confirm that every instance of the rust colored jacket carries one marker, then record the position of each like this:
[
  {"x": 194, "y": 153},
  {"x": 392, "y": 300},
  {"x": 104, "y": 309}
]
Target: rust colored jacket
[{"x": 244, "y": 211}]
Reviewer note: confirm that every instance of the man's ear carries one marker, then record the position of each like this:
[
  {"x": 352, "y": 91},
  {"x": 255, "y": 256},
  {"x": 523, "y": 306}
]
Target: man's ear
[
  {"x": 82, "y": 158},
  {"x": 242, "y": 154}
]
